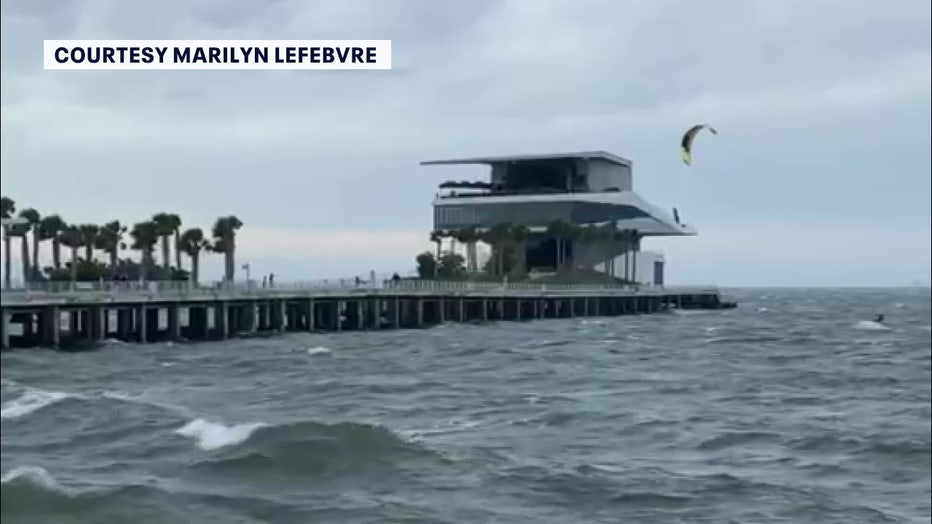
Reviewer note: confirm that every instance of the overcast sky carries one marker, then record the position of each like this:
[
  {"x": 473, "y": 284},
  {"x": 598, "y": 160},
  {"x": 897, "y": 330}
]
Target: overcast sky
[{"x": 820, "y": 174}]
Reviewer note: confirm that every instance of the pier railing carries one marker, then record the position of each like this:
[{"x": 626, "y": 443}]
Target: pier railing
[{"x": 131, "y": 290}]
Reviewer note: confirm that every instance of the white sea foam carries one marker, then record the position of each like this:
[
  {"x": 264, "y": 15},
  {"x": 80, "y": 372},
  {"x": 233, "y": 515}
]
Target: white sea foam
[
  {"x": 687, "y": 312},
  {"x": 319, "y": 350},
  {"x": 33, "y": 475},
  {"x": 31, "y": 400},
  {"x": 213, "y": 435},
  {"x": 870, "y": 325},
  {"x": 446, "y": 428}
]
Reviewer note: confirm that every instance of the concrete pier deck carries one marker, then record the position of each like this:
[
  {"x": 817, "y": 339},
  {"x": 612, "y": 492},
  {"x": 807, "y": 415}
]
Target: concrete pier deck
[{"x": 60, "y": 315}]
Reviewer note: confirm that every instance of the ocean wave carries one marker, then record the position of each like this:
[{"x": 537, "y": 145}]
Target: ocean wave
[
  {"x": 308, "y": 448},
  {"x": 736, "y": 438},
  {"x": 143, "y": 400},
  {"x": 213, "y": 435},
  {"x": 33, "y": 475},
  {"x": 870, "y": 325},
  {"x": 319, "y": 350},
  {"x": 31, "y": 494},
  {"x": 29, "y": 401}
]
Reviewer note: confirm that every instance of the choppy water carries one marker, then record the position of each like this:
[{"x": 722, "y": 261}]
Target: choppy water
[{"x": 791, "y": 408}]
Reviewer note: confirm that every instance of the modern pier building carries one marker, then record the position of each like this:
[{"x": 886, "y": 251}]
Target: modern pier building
[{"x": 591, "y": 190}]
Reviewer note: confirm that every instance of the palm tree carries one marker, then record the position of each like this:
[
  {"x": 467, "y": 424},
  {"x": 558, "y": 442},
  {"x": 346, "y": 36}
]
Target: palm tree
[
  {"x": 609, "y": 235},
  {"x": 89, "y": 234},
  {"x": 192, "y": 242},
  {"x": 498, "y": 236},
  {"x": 145, "y": 236},
  {"x": 7, "y": 208},
  {"x": 71, "y": 237},
  {"x": 110, "y": 241},
  {"x": 34, "y": 219},
  {"x": 224, "y": 235},
  {"x": 436, "y": 236},
  {"x": 560, "y": 231},
  {"x": 519, "y": 235},
  {"x": 469, "y": 236},
  {"x": 588, "y": 235},
  {"x": 167, "y": 225},
  {"x": 634, "y": 238},
  {"x": 49, "y": 229}
]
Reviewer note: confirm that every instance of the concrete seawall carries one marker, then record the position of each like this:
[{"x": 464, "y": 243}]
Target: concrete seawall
[{"x": 64, "y": 316}]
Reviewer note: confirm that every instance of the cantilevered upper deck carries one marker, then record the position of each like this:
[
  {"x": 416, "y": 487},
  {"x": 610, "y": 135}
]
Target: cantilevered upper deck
[
  {"x": 583, "y": 171},
  {"x": 587, "y": 187}
]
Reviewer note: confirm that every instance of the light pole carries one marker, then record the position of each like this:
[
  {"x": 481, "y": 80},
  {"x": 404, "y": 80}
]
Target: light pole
[{"x": 248, "y": 280}]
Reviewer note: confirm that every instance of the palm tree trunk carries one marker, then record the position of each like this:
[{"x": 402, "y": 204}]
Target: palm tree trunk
[
  {"x": 634, "y": 260},
  {"x": 230, "y": 261},
  {"x": 522, "y": 257},
  {"x": 7, "y": 259},
  {"x": 35, "y": 254},
  {"x": 56, "y": 253},
  {"x": 24, "y": 254},
  {"x": 177, "y": 251},
  {"x": 165, "y": 252},
  {"x": 195, "y": 266},
  {"x": 89, "y": 252},
  {"x": 114, "y": 260},
  {"x": 500, "y": 269},
  {"x": 146, "y": 263},
  {"x": 74, "y": 264},
  {"x": 556, "y": 253}
]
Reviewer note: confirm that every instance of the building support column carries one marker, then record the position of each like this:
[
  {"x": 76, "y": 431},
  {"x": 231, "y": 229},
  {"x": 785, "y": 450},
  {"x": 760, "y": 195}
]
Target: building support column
[{"x": 7, "y": 317}]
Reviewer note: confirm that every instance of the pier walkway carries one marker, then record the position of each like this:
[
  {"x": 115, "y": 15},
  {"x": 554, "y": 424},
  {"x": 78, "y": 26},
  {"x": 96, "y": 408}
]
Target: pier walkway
[{"x": 60, "y": 314}]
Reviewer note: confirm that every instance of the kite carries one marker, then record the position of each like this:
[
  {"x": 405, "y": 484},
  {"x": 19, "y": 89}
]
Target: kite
[{"x": 687, "y": 142}]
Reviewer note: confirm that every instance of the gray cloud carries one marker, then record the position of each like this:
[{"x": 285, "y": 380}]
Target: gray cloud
[{"x": 823, "y": 107}]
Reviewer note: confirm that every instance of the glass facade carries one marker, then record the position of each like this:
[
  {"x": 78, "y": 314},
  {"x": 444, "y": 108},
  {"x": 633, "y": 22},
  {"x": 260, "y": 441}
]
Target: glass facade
[{"x": 458, "y": 216}]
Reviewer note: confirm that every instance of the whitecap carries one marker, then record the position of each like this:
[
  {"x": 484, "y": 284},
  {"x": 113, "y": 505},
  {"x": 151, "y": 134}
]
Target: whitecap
[
  {"x": 31, "y": 400},
  {"x": 453, "y": 426},
  {"x": 319, "y": 350},
  {"x": 762, "y": 310},
  {"x": 870, "y": 325},
  {"x": 33, "y": 475},
  {"x": 213, "y": 435}
]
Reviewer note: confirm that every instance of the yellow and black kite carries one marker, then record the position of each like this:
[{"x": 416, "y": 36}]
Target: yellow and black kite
[{"x": 687, "y": 142}]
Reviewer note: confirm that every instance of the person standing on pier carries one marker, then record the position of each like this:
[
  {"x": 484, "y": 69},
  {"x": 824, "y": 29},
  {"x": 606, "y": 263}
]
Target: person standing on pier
[{"x": 271, "y": 279}]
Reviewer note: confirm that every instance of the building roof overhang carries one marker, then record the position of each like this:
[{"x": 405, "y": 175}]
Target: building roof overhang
[{"x": 579, "y": 155}]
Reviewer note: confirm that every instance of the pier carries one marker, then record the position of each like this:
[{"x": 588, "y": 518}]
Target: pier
[{"x": 62, "y": 315}]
